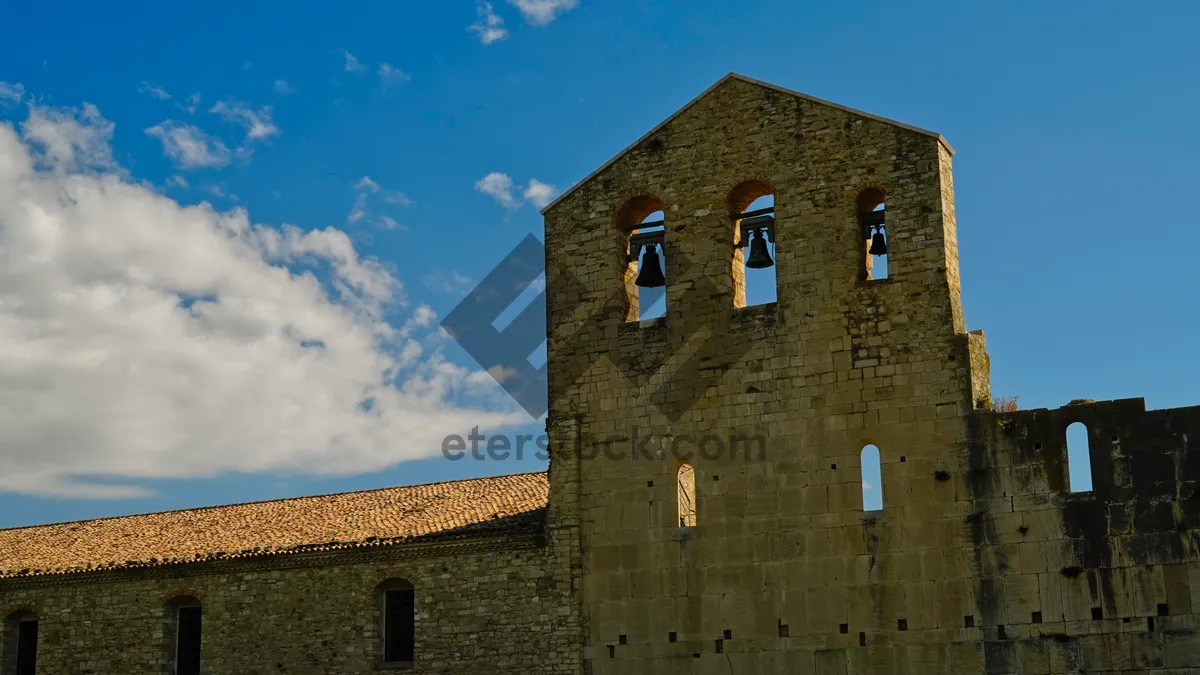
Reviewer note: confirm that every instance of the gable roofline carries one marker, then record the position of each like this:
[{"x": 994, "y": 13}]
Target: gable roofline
[{"x": 767, "y": 85}]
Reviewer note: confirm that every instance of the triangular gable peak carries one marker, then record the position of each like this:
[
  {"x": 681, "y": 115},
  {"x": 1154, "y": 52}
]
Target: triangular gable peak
[{"x": 714, "y": 87}]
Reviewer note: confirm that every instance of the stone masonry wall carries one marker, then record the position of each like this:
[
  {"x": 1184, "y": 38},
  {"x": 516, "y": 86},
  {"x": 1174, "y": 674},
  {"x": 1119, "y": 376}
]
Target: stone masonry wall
[
  {"x": 979, "y": 561},
  {"x": 784, "y": 572},
  {"x": 501, "y": 609},
  {"x": 1102, "y": 581}
]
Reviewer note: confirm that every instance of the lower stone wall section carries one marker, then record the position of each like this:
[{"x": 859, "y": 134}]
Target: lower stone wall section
[{"x": 495, "y": 611}]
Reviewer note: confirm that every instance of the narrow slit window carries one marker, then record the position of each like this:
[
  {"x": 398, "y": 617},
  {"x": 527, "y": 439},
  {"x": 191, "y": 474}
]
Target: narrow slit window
[
  {"x": 185, "y": 620},
  {"x": 873, "y": 232},
  {"x": 399, "y": 622},
  {"x": 646, "y": 246},
  {"x": 1079, "y": 458},
  {"x": 686, "y": 482},
  {"x": 872, "y": 479},
  {"x": 21, "y": 644},
  {"x": 189, "y": 641},
  {"x": 752, "y": 210}
]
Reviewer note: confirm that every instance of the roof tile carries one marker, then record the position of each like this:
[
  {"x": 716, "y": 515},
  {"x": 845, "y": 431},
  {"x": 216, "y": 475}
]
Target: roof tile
[{"x": 463, "y": 508}]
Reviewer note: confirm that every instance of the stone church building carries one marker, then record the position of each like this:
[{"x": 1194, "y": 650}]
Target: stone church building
[{"x": 990, "y": 553}]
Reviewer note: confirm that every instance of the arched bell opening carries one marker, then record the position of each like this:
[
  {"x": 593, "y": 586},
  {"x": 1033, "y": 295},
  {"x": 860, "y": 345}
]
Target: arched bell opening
[
  {"x": 642, "y": 224},
  {"x": 872, "y": 217},
  {"x": 752, "y": 210}
]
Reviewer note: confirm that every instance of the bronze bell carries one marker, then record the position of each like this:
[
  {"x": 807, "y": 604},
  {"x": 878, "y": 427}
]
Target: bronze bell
[
  {"x": 650, "y": 274},
  {"x": 878, "y": 244},
  {"x": 759, "y": 256}
]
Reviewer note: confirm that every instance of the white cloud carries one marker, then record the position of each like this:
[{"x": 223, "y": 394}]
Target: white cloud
[
  {"x": 500, "y": 187},
  {"x": 542, "y": 12},
  {"x": 538, "y": 193},
  {"x": 364, "y": 189},
  {"x": 154, "y": 90},
  {"x": 500, "y": 373},
  {"x": 489, "y": 27},
  {"x": 11, "y": 93},
  {"x": 390, "y": 75},
  {"x": 177, "y": 181},
  {"x": 423, "y": 317},
  {"x": 144, "y": 339},
  {"x": 387, "y": 223},
  {"x": 190, "y": 104},
  {"x": 446, "y": 281},
  {"x": 220, "y": 191},
  {"x": 189, "y": 147},
  {"x": 353, "y": 65},
  {"x": 282, "y": 87},
  {"x": 69, "y": 140},
  {"x": 257, "y": 123}
]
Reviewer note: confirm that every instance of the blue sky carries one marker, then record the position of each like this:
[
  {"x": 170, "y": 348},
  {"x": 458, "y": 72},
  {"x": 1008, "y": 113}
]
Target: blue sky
[{"x": 1072, "y": 122}]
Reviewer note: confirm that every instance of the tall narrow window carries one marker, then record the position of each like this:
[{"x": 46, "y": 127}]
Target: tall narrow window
[
  {"x": 640, "y": 226},
  {"x": 686, "y": 488},
  {"x": 184, "y": 618},
  {"x": 752, "y": 209},
  {"x": 1079, "y": 458},
  {"x": 21, "y": 643},
  {"x": 872, "y": 216},
  {"x": 872, "y": 479},
  {"x": 398, "y": 602}
]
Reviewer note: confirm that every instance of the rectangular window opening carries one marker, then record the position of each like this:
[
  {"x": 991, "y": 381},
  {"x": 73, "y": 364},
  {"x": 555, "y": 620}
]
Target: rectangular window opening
[
  {"x": 399, "y": 626},
  {"x": 27, "y": 644},
  {"x": 187, "y": 643},
  {"x": 686, "y": 488}
]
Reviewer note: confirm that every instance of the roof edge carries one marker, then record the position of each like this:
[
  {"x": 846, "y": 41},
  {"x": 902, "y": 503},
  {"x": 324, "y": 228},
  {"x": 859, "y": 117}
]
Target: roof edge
[
  {"x": 277, "y": 500},
  {"x": 351, "y": 552},
  {"x": 735, "y": 76}
]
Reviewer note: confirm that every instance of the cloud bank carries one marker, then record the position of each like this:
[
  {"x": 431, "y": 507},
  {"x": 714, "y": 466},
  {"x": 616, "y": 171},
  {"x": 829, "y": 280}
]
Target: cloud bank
[{"x": 147, "y": 339}]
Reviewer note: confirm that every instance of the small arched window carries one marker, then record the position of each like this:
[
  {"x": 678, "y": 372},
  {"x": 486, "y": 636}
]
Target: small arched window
[
  {"x": 642, "y": 224},
  {"x": 872, "y": 479},
  {"x": 1079, "y": 458},
  {"x": 685, "y": 485},
  {"x": 397, "y": 610},
  {"x": 872, "y": 215},
  {"x": 752, "y": 209},
  {"x": 20, "y": 643},
  {"x": 184, "y": 621}
]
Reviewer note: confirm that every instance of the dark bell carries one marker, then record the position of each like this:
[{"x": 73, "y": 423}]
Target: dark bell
[
  {"x": 878, "y": 245},
  {"x": 759, "y": 256},
  {"x": 650, "y": 274}
]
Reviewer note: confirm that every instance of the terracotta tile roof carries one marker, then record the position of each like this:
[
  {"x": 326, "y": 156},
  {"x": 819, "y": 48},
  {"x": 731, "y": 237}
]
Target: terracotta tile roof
[{"x": 436, "y": 511}]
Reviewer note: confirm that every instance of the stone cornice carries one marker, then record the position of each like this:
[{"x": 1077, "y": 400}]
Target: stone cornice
[{"x": 272, "y": 561}]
